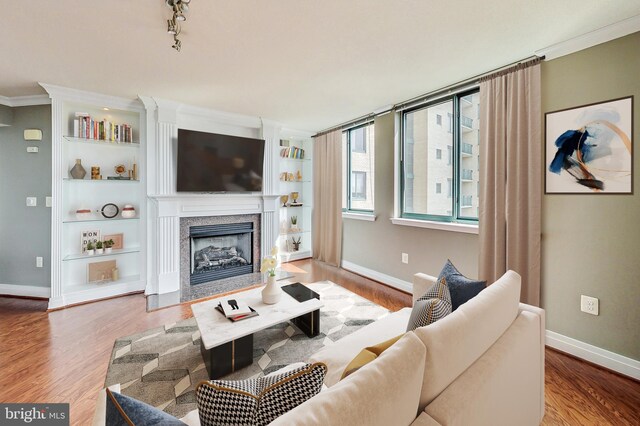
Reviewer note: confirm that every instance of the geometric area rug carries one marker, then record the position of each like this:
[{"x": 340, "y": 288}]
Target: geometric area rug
[{"x": 163, "y": 365}]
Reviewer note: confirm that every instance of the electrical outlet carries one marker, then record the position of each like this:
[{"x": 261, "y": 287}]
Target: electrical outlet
[
  {"x": 32, "y": 201},
  {"x": 589, "y": 304},
  {"x": 32, "y": 149},
  {"x": 39, "y": 262},
  {"x": 405, "y": 257}
]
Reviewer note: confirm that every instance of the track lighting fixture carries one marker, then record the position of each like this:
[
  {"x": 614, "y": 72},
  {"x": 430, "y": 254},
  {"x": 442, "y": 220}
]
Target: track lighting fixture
[{"x": 179, "y": 7}]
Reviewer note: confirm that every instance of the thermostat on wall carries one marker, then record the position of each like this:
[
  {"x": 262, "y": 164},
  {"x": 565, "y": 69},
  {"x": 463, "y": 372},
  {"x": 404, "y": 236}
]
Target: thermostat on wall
[{"x": 32, "y": 135}]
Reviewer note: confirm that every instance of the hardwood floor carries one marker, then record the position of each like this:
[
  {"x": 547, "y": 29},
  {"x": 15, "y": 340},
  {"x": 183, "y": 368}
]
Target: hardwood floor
[{"x": 62, "y": 356}]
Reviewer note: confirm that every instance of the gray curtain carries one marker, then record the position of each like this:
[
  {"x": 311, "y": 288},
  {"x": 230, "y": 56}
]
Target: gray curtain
[
  {"x": 327, "y": 198},
  {"x": 510, "y": 177}
]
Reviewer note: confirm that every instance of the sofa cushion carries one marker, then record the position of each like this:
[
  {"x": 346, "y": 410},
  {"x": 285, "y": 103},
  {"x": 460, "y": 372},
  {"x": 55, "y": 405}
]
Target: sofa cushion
[
  {"x": 124, "y": 411},
  {"x": 462, "y": 289},
  {"x": 459, "y": 339},
  {"x": 257, "y": 401},
  {"x": 435, "y": 304},
  {"x": 367, "y": 355},
  {"x": 337, "y": 356},
  {"x": 382, "y": 393}
]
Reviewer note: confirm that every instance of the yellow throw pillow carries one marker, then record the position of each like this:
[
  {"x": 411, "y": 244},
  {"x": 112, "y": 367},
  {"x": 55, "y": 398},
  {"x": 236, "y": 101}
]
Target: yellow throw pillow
[{"x": 367, "y": 355}]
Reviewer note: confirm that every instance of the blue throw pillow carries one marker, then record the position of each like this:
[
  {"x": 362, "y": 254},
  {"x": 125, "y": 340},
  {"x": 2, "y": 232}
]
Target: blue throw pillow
[
  {"x": 125, "y": 411},
  {"x": 461, "y": 288}
]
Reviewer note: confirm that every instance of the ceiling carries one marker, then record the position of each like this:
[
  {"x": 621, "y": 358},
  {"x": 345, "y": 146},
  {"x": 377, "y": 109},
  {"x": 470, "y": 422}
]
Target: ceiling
[{"x": 307, "y": 64}]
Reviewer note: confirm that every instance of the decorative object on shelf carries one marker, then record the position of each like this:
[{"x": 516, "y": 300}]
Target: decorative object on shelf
[
  {"x": 98, "y": 272},
  {"x": 272, "y": 292},
  {"x": 589, "y": 149},
  {"x": 294, "y": 197},
  {"x": 77, "y": 171},
  {"x": 108, "y": 246},
  {"x": 134, "y": 170},
  {"x": 294, "y": 223},
  {"x": 296, "y": 243},
  {"x": 99, "y": 247},
  {"x": 299, "y": 176},
  {"x": 87, "y": 237},
  {"x": 89, "y": 249},
  {"x": 173, "y": 25},
  {"x": 118, "y": 240},
  {"x": 128, "y": 211},
  {"x": 115, "y": 274},
  {"x": 109, "y": 210},
  {"x": 95, "y": 173},
  {"x": 284, "y": 199},
  {"x": 83, "y": 213},
  {"x": 120, "y": 170}
]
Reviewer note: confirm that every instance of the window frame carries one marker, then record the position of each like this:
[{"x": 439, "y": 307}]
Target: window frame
[
  {"x": 359, "y": 196},
  {"x": 456, "y": 216},
  {"x": 349, "y": 171}
]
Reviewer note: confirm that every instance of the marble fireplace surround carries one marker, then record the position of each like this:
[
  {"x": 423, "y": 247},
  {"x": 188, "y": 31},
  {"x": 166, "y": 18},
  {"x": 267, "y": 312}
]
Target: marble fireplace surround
[{"x": 197, "y": 291}]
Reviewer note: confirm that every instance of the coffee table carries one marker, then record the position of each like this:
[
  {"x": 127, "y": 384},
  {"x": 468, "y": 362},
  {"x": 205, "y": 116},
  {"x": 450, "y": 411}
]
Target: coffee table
[{"x": 227, "y": 346}]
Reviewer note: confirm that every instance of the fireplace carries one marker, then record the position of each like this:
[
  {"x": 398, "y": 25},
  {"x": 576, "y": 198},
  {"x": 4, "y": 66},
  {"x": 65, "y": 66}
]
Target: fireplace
[
  {"x": 220, "y": 251},
  {"x": 218, "y": 254}
]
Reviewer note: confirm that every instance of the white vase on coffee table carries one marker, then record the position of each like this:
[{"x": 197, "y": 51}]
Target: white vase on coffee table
[{"x": 272, "y": 292}]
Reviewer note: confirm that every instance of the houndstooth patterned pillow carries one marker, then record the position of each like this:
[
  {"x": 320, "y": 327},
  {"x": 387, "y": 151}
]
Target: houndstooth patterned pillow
[
  {"x": 435, "y": 304},
  {"x": 256, "y": 402}
]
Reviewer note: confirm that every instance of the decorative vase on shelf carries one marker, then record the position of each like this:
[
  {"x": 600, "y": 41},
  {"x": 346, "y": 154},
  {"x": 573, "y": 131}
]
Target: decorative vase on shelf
[
  {"x": 128, "y": 211},
  {"x": 77, "y": 171},
  {"x": 272, "y": 292}
]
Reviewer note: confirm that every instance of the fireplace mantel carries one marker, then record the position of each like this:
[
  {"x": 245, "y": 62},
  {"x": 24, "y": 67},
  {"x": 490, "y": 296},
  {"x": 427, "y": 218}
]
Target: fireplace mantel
[{"x": 193, "y": 205}]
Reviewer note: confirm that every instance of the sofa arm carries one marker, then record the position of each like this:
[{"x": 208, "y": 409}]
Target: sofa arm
[
  {"x": 543, "y": 337},
  {"x": 421, "y": 283}
]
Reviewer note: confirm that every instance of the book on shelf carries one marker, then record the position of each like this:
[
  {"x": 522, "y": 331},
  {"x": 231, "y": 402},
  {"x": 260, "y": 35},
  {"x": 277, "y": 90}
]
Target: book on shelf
[
  {"x": 118, "y": 178},
  {"x": 292, "y": 152},
  {"x": 84, "y": 126},
  {"x": 238, "y": 317}
]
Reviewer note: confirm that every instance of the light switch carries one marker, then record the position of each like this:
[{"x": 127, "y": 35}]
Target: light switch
[
  {"x": 32, "y": 201},
  {"x": 49, "y": 201},
  {"x": 32, "y": 149}
]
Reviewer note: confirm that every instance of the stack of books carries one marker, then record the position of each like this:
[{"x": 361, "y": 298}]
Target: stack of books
[
  {"x": 292, "y": 152},
  {"x": 236, "y": 310}
]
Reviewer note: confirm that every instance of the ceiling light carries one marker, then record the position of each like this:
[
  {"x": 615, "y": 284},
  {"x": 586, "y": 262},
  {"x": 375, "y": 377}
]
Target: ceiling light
[
  {"x": 179, "y": 7},
  {"x": 105, "y": 109}
]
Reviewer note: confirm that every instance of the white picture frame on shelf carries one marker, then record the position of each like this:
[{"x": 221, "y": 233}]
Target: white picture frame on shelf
[{"x": 88, "y": 236}]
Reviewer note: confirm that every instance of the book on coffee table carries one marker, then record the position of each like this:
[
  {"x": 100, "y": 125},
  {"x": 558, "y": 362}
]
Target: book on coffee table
[{"x": 238, "y": 317}]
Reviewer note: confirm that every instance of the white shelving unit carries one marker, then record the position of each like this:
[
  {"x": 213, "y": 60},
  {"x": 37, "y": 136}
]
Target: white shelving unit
[
  {"x": 301, "y": 169},
  {"x": 69, "y": 272}
]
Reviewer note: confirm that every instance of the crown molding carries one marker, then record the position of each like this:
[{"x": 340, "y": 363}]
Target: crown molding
[
  {"x": 81, "y": 96},
  {"x": 296, "y": 133},
  {"x": 18, "y": 101},
  {"x": 593, "y": 38}
]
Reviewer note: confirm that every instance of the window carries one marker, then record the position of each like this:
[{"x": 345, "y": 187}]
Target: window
[
  {"x": 358, "y": 173},
  {"x": 422, "y": 174},
  {"x": 358, "y": 185}
]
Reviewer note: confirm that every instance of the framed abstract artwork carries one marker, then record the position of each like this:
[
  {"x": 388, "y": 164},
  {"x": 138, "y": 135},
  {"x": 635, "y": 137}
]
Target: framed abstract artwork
[{"x": 589, "y": 149}]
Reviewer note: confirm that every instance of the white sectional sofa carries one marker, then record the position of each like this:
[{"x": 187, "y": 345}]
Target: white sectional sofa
[{"x": 483, "y": 364}]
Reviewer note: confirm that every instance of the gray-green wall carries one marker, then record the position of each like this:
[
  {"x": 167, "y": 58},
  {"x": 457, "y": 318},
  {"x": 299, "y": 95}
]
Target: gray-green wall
[
  {"x": 379, "y": 245},
  {"x": 591, "y": 243},
  {"x": 6, "y": 116},
  {"x": 25, "y": 232}
]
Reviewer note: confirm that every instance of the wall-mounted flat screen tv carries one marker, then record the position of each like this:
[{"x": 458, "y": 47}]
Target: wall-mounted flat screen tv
[{"x": 209, "y": 162}]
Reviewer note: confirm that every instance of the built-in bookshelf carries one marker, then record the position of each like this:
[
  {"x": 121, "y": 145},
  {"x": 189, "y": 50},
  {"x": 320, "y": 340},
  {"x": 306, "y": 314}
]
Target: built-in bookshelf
[
  {"x": 106, "y": 136},
  {"x": 296, "y": 169}
]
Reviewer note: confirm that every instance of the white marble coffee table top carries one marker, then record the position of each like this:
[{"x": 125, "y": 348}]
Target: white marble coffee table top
[{"x": 216, "y": 329}]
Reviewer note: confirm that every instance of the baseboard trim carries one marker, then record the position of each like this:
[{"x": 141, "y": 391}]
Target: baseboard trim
[
  {"x": 34, "y": 291},
  {"x": 602, "y": 357},
  {"x": 378, "y": 276}
]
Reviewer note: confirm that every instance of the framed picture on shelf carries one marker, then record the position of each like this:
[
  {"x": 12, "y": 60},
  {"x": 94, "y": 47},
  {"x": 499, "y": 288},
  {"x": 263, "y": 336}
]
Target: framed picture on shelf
[
  {"x": 118, "y": 240},
  {"x": 98, "y": 272},
  {"x": 589, "y": 149},
  {"x": 87, "y": 237}
]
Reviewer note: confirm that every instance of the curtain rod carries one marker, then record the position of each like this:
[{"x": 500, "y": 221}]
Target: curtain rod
[{"x": 531, "y": 60}]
